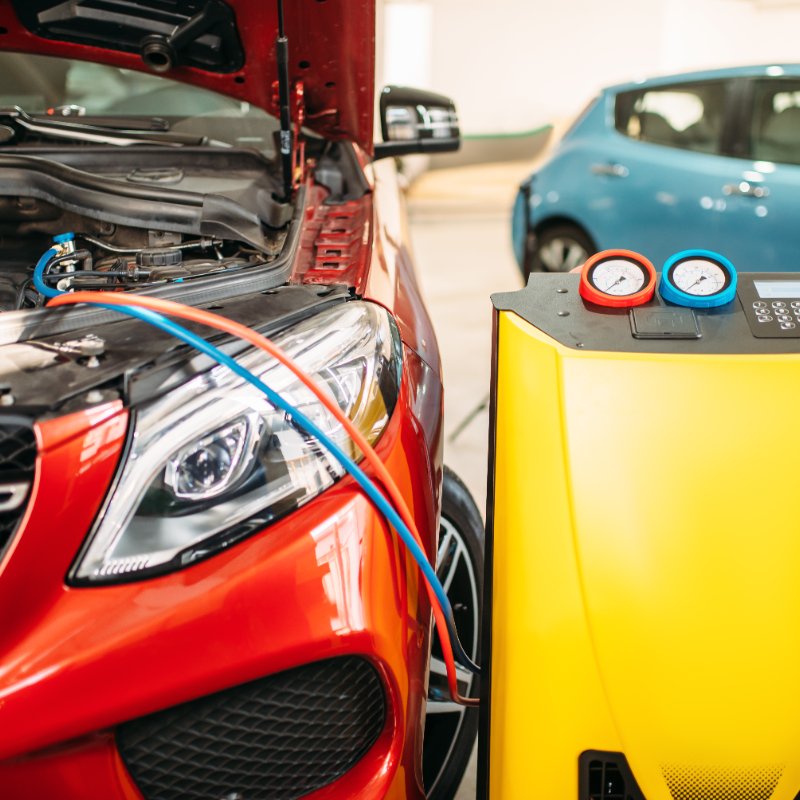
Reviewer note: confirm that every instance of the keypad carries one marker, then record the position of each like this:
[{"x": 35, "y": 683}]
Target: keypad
[
  {"x": 770, "y": 316},
  {"x": 777, "y": 318}
]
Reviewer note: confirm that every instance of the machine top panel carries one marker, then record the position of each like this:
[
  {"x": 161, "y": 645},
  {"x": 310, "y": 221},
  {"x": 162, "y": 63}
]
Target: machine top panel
[{"x": 764, "y": 318}]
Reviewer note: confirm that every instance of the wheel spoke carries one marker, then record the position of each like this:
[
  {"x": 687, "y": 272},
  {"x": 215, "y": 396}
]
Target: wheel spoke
[
  {"x": 576, "y": 257},
  {"x": 463, "y": 676},
  {"x": 453, "y": 567},
  {"x": 436, "y": 707},
  {"x": 444, "y": 544},
  {"x": 551, "y": 254},
  {"x": 562, "y": 254}
]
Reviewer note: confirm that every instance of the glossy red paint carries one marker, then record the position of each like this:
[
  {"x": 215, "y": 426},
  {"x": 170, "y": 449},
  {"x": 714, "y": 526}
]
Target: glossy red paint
[
  {"x": 61, "y": 772},
  {"x": 329, "y": 579},
  {"x": 371, "y": 235},
  {"x": 391, "y": 278},
  {"x": 331, "y": 51}
]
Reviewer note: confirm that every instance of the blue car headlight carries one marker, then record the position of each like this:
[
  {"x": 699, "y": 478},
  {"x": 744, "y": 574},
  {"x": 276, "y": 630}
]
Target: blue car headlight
[{"x": 213, "y": 461}]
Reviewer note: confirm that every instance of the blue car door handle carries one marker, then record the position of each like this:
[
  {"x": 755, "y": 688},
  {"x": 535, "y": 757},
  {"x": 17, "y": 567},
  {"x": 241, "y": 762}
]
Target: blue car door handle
[
  {"x": 611, "y": 170},
  {"x": 745, "y": 189}
]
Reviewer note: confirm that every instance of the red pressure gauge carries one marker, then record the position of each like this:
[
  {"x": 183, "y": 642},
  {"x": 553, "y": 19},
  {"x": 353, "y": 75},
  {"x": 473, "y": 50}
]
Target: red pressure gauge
[{"x": 618, "y": 279}]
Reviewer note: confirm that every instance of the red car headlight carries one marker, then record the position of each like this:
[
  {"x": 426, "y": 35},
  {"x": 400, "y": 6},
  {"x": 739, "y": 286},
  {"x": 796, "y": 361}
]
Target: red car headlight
[{"x": 213, "y": 461}]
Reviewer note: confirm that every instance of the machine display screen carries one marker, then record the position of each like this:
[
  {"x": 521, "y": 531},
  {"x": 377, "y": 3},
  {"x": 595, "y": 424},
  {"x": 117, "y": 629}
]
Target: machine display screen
[{"x": 768, "y": 290}]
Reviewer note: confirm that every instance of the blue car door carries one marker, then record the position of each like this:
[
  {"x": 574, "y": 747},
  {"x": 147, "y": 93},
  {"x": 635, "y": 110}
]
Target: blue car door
[
  {"x": 762, "y": 191},
  {"x": 664, "y": 171}
]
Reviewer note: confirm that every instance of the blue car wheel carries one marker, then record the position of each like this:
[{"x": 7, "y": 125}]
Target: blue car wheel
[{"x": 558, "y": 249}]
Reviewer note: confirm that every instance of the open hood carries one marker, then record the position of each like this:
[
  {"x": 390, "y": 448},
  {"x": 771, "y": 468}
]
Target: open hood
[{"x": 227, "y": 46}]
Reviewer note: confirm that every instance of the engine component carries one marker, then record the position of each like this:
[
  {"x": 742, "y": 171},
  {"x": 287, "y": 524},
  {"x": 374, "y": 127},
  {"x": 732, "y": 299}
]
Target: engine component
[{"x": 159, "y": 257}]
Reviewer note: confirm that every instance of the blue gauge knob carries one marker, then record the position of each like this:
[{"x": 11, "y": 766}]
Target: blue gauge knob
[{"x": 698, "y": 279}]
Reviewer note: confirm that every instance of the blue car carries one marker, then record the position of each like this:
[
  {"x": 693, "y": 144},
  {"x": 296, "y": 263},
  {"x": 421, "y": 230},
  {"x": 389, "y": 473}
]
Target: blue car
[{"x": 702, "y": 160}]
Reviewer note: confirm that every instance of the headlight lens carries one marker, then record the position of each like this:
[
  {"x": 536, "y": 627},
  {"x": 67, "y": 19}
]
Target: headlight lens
[{"x": 213, "y": 461}]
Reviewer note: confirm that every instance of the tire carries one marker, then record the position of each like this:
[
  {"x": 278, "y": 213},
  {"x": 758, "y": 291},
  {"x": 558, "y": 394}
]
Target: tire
[
  {"x": 450, "y": 730},
  {"x": 558, "y": 249}
]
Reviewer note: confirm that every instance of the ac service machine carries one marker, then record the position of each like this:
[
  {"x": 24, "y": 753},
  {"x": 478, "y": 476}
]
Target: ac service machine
[{"x": 642, "y": 608}]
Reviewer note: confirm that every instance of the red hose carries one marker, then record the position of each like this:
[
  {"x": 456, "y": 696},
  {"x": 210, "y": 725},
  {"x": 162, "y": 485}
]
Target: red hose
[{"x": 211, "y": 320}]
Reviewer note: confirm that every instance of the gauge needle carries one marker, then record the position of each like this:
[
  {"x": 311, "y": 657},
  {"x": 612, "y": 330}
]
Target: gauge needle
[
  {"x": 618, "y": 280},
  {"x": 701, "y": 278}
]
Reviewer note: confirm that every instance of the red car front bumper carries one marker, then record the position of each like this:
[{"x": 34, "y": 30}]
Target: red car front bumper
[{"x": 329, "y": 580}]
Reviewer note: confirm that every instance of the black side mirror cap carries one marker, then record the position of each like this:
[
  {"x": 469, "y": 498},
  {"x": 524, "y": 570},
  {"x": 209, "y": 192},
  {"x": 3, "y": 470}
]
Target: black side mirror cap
[{"x": 416, "y": 121}]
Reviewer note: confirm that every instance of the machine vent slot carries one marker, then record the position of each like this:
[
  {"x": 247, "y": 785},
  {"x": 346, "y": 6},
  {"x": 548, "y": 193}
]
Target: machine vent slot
[
  {"x": 721, "y": 783},
  {"x": 606, "y": 776}
]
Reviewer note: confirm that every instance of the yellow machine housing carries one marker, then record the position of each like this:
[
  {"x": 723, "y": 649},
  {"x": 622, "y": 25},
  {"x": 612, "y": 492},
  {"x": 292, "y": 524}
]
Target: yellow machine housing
[{"x": 642, "y": 615}]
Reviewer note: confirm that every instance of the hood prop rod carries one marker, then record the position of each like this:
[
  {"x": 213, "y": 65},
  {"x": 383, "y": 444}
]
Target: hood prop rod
[{"x": 286, "y": 137}]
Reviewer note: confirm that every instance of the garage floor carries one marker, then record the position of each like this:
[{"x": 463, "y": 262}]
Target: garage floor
[{"x": 460, "y": 230}]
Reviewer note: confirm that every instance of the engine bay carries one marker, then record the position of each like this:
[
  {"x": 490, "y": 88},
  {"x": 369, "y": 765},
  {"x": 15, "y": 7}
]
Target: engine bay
[
  {"x": 105, "y": 264},
  {"x": 136, "y": 222}
]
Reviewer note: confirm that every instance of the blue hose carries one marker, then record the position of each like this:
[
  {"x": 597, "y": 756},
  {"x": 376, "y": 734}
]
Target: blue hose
[{"x": 369, "y": 487}]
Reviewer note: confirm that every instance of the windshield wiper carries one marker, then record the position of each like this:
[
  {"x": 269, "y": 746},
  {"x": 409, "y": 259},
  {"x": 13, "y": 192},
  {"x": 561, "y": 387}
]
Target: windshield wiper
[{"x": 16, "y": 125}]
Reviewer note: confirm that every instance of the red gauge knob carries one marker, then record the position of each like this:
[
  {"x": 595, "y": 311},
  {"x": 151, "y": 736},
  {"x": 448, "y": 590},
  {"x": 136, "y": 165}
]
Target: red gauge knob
[{"x": 618, "y": 279}]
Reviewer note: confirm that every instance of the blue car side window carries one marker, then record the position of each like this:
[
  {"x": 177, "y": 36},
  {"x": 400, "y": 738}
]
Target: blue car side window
[
  {"x": 688, "y": 116},
  {"x": 775, "y": 129}
]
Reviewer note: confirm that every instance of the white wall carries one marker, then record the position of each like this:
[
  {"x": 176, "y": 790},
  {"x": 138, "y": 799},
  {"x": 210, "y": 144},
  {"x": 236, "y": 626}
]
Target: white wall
[{"x": 512, "y": 65}]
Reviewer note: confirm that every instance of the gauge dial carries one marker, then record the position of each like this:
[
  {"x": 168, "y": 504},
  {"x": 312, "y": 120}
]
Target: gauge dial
[
  {"x": 617, "y": 278},
  {"x": 698, "y": 279}
]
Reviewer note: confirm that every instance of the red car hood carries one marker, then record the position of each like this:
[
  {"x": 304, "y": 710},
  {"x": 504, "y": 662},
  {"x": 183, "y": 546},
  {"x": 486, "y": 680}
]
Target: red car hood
[{"x": 331, "y": 51}]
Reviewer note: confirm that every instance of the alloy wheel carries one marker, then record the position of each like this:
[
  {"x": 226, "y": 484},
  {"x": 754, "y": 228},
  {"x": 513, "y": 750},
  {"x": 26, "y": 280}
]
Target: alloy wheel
[
  {"x": 561, "y": 254},
  {"x": 447, "y": 721}
]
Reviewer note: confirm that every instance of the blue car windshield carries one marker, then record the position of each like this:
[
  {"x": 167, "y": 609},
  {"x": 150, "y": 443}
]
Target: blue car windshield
[{"x": 66, "y": 87}]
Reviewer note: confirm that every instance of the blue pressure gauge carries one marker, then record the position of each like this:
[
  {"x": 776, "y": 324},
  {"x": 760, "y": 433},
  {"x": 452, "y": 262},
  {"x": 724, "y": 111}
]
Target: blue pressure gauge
[{"x": 698, "y": 279}]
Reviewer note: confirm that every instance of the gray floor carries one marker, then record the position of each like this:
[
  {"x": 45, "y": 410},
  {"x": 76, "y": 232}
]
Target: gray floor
[{"x": 463, "y": 254}]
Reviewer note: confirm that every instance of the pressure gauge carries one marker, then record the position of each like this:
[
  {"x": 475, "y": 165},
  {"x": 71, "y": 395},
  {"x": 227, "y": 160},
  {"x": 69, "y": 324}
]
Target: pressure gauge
[
  {"x": 698, "y": 279},
  {"x": 617, "y": 278}
]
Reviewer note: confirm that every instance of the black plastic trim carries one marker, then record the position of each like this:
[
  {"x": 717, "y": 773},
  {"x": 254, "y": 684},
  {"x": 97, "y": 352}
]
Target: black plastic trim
[
  {"x": 484, "y": 723},
  {"x": 738, "y": 116},
  {"x": 128, "y": 203},
  {"x": 387, "y": 149},
  {"x": 192, "y": 33},
  {"x": 551, "y": 302}
]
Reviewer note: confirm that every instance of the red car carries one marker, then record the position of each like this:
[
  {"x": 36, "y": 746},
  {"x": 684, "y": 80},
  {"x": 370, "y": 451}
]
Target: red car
[{"x": 197, "y": 601}]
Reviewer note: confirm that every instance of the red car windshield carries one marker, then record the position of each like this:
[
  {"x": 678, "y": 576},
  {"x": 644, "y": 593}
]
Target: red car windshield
[{"x": 66, "y": 87}]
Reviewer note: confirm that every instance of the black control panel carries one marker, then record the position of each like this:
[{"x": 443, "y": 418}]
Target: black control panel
[
  {"x": 771, "y": 303},
  {"x": 763, "y": 318}
]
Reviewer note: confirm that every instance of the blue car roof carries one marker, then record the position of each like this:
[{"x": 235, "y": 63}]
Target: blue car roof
[{"x": 757, "y": 71}]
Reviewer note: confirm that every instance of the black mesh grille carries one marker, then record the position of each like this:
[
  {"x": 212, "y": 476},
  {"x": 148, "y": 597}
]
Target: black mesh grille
[
  {"x": 17, "y": 449},
  {"x": 606, "y": 776},
  {"x": 17, "y": 465},
  {"x": 277, "y": 738}
]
